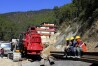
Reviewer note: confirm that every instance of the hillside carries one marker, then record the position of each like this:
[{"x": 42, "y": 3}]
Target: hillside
[
  {"x": 17, "y": 22},
  {"x": 80, "y": 18},
  {"x": 77, "y": 18}
]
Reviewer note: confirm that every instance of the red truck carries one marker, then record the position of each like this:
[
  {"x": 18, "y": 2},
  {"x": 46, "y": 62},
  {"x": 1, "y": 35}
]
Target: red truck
[{"x": 30, "y": 42}]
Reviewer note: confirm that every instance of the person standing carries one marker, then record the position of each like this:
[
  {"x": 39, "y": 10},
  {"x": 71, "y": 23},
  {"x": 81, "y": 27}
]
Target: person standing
[{"x": 2, "y": 52}]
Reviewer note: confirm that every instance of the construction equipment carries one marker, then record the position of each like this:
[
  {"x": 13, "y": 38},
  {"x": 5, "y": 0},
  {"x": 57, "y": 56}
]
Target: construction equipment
[
  {"x": 29, "y": 44},
  {"x": 15, "y": 55}
]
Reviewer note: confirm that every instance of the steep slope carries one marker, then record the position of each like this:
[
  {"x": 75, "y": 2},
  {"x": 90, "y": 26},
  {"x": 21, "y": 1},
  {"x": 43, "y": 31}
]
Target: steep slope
[{"x": 84, "y": 15}]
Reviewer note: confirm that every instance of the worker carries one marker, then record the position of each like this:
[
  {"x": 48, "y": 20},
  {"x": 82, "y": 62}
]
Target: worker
[
  {"x": 79, "y": 47},
  {"x": 67, "y": 41},
  {"x": 71, "y": 47},
  {"x": 67, "y": 53}
]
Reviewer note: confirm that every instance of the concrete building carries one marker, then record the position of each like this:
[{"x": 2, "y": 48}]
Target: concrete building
[{"x": 46, "y": 30}]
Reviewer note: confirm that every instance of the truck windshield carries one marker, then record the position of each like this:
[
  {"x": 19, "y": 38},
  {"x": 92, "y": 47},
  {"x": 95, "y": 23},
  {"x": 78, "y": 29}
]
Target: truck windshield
[{"x": 5, "y": 45}]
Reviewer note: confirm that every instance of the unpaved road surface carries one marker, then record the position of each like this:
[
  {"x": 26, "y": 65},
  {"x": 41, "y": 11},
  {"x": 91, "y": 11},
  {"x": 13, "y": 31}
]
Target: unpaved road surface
[
  {"x": 7, "y": 62},
  {"x": 59, "y": 63}
]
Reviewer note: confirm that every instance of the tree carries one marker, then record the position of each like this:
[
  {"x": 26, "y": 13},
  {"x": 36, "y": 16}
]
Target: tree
[
  {"x": 56, "y": 11},
  {"x": 57, "y": 14}
]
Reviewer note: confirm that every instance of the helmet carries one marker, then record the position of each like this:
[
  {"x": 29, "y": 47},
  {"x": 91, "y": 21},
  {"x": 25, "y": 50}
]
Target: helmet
[
  {"x": 67, "y": 39},
  {"x": 71, "y": 38},
  {"x": 77, "y": 37}
]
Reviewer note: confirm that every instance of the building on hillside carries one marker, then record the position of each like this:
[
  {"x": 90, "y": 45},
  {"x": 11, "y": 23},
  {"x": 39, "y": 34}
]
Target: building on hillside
[{"x": 46, "y": 30}]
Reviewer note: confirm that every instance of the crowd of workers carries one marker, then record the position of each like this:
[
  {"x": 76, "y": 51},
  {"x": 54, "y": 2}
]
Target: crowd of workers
[{"x": 74, "y": 47}]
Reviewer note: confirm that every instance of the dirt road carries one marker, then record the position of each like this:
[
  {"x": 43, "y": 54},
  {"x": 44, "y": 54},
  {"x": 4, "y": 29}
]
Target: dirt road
[
  {"x": 59, "y": 63},
  {"x": 7, "y": 62}
]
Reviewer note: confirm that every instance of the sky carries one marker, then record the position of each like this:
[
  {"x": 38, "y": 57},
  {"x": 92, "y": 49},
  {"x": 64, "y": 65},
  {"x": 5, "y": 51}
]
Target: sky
[{"x": 29, "y": 5}]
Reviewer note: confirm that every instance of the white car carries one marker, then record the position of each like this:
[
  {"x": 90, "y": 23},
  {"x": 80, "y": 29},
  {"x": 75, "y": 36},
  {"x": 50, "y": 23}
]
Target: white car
[{"x": 6, "y": 46}]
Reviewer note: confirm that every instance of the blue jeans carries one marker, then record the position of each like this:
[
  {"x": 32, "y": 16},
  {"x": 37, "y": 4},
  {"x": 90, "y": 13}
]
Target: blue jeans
[
  {"x": 71, "y": 48},
  {"x": 70, "y": 51},
  {"x": 77, "y": 51}
]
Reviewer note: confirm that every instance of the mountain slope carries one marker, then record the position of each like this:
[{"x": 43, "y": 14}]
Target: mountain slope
[
  {"x": 17, "y": 22},
  {"x": 84, "y": 15}
]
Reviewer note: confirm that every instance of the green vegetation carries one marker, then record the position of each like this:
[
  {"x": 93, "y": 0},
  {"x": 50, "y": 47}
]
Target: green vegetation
[
  {"x": 11, "y": 24},
  {"x": 83, "y": 12},
  {"x": 78, "y": 8}
]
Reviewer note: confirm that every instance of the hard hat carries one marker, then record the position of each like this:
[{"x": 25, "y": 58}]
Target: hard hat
[
  {"x": 67, "y": 39},
  {"x": 77, "y": 37},
  {"x": 71, "y": 38}
]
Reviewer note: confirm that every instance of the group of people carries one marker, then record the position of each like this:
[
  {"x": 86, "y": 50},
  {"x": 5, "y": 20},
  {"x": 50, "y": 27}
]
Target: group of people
[{"x": 74, "y": 47}]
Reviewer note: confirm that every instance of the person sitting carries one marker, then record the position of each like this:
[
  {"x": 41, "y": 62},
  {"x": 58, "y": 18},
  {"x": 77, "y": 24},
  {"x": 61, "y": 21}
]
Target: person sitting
[
  {"x": 67, "y": 48},
  {"x": 79, "y": 47},
  {"x": 71, "y": 46}
]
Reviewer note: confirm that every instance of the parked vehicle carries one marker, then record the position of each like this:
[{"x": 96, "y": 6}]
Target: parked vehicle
[
  {"x": 29, "y": 44},
  {"x": 32, "y": 43},
  {"x": 6, "y": 46}
]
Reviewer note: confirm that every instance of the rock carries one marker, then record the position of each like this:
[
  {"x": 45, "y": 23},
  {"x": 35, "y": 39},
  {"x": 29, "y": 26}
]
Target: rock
[{"x": 46, "y": 52}]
